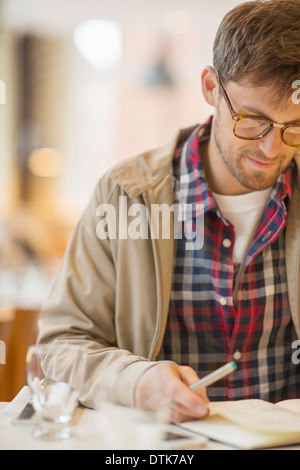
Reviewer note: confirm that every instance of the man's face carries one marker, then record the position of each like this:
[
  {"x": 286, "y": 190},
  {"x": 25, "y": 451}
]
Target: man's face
[{"x": 254, "y": 164}]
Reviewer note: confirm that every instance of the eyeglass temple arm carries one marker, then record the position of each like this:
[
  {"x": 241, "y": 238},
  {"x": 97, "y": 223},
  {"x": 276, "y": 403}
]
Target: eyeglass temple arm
[{"x": 232, "y": 112}]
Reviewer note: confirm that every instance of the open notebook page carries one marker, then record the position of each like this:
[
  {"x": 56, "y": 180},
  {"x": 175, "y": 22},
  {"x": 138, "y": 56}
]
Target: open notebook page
[{"x": 249, "y": 424}]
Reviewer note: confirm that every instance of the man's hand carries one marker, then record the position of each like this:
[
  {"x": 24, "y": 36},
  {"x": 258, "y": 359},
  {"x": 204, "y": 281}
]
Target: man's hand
[{"x": 167, "y": 380}]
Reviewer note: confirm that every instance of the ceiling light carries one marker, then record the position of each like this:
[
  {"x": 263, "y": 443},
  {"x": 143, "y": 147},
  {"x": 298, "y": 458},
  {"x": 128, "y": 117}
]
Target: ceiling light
[{"x": 100, "y": 43}]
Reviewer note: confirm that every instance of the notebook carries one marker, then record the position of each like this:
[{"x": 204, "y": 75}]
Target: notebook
[{"x": 251, "y": 424}]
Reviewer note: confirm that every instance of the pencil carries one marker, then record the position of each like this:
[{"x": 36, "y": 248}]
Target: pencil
[
  {"x": 214, "y": 376},
  {"x": 210, "y": 379}
]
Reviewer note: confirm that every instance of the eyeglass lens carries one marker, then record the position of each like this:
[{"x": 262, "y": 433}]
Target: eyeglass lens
[{"x": 252, "y": 128}]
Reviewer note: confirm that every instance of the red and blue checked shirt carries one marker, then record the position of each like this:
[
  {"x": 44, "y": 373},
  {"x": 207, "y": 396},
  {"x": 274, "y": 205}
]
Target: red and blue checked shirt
[{"x": 215, "y": 317}]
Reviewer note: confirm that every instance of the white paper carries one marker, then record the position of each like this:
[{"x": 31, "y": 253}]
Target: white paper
[
  {"x": 260, "y": 415},
  {"x": 18, "y": 403}
]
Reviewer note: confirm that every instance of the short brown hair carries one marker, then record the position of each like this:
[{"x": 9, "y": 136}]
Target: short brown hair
[{"x": 258, "y": 43}]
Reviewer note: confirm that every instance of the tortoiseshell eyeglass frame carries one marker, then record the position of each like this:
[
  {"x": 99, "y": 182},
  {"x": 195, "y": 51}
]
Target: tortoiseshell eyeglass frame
[{"x": 237, "y": 117}]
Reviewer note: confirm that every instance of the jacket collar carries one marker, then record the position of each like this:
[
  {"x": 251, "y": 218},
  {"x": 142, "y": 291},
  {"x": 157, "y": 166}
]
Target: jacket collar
[{"x": 143, "y": 172}]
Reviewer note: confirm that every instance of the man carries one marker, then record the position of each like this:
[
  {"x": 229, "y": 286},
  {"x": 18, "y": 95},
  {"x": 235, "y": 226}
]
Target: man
[{"x": 153, "y": 315}]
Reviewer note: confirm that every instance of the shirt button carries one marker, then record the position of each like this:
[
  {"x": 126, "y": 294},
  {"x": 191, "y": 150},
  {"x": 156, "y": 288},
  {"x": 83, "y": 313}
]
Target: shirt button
[
  {"x": 244, "y": 294},
  {"x": 227, "y": 243},
  {"x": 222, "y": 301},
  {"x": 237, "y": 355},
  {"x": 268, "y": 234}
]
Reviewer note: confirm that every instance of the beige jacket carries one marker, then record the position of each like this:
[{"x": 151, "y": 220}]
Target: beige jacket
[{"x": 112, "y": 296}]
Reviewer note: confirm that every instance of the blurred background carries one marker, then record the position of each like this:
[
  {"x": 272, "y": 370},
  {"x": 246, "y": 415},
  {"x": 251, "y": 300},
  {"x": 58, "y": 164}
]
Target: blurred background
[{"x": 84, "y": 84}]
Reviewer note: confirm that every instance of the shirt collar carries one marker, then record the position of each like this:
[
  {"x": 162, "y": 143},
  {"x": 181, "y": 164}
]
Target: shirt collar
[
  {"x": 282, "y": 190},
  {"x": 191, "y": 189}
]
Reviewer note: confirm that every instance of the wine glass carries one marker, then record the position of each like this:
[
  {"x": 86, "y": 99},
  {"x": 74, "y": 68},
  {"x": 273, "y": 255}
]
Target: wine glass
[
  {"x": 54, "y": 375},
  {"x": 126, "y": 428}
]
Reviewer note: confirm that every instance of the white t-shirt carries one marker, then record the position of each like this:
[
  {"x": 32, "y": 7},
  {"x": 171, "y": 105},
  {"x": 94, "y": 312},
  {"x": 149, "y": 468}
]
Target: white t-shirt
[{"x": 244, "y": 213}]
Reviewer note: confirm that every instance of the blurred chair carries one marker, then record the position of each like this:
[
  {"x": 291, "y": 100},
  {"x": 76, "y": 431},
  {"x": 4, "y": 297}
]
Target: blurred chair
[{"x": 18, "y": 329}]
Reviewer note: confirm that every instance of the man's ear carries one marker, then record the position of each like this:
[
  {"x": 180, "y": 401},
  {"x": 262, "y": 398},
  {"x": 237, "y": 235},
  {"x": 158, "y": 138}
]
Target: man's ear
[{"x": 210, "y": 88}]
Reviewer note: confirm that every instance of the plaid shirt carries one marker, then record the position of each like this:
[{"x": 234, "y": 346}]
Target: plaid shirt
[{"x": 210, "y": 322}]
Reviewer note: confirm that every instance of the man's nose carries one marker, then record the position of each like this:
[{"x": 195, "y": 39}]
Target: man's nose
[{"x": 271, "y": 144}]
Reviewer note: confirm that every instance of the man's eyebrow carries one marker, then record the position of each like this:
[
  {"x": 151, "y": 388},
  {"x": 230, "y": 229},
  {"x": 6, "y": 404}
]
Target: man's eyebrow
[{"x": 257, "y": 112}]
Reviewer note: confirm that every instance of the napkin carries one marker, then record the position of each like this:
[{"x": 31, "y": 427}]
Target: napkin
[{"x": 18, "y": 403}]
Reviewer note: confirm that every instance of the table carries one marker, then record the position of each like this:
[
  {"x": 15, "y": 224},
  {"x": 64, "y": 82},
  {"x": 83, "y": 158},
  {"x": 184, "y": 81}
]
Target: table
[
  {"x": 18, "y": 436},
  {"x": 86, "y": 426},
  {"x": 89, "y": 437}
]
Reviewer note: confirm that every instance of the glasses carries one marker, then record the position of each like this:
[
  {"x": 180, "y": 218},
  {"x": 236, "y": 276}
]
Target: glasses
[{"x": 250, "y": 127}]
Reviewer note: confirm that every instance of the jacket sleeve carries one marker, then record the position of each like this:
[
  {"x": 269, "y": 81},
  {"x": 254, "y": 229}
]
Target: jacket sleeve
[{"x": 80, "y": 310}]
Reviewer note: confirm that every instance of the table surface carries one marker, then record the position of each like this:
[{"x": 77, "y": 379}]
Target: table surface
[
  {"x": 85, "y": 425},
  {"x": 89, "y": 435}
]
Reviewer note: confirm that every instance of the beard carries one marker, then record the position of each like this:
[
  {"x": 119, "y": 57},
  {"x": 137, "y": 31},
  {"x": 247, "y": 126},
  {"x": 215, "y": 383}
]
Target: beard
[{"x": 238, "y": 164}]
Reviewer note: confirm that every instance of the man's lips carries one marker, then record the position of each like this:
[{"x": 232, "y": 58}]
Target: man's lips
[{"x": 261, "y": 165}]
